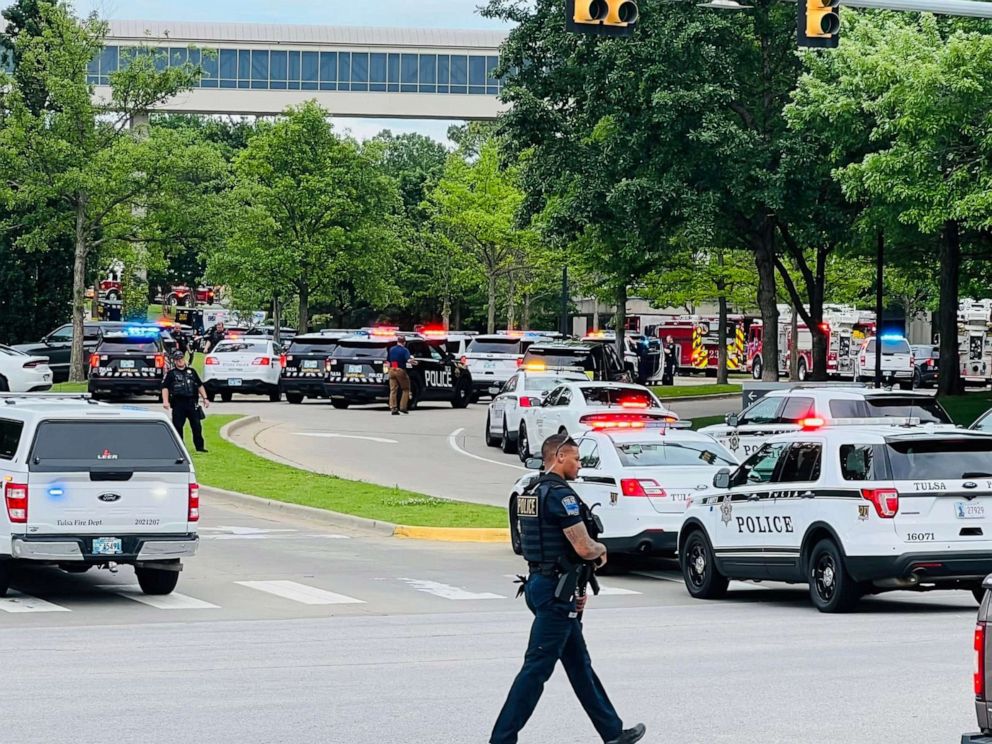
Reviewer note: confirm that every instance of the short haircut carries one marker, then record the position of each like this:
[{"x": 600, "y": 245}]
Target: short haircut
[
  {"x": 401, "y": 340},
  {"x": 554, "y": 444}
]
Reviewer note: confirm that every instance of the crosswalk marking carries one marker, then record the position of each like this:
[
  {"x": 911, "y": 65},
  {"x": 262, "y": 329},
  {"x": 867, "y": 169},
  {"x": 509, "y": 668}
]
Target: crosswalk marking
[
  {"x": 17, "y": 602},
  {"x": 615, "y": 591},
  {"x": 659, "y": 575},
  {"x": 302, "y": 593},
  {"x": 174, "y": 601},
  {"x": 447, "y": 591}
]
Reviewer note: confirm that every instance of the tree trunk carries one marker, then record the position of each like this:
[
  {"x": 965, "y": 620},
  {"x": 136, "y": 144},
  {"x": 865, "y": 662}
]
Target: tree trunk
[
  {"x": 764, "y": 262},
  {"x": 621, "y": 317},
  {"x": 721, "y": 333},
  {"x": 525, "y": 313},
  {"x": 304, "y": 318},
  {"x": 949, "y": 382},
  {"x": 595, "y": 314},
  {"x": 77, "y": 362},
  {"x": 276, "y": 319},
  {"x": 446, "y": 312},
  {"x": 794, "y": 344},
  {"x": 511, "y": 305},
  {"x": 821, "y": 340},
  {"x": 457, "y": 315},
  {"x": 491, "y": 318}
]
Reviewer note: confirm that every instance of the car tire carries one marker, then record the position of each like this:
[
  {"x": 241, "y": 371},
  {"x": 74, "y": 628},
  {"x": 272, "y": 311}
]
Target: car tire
[
  {"x": 6, "y": 574},
  {"x": 831, "y": 587},
  {"x": 275, "y": 397},
  {"x": 226, "y": 397},
  {"x": 211, "y": 396},
  {"x": 756, "y": 369},
  {"x": 508, "y": 446},
  {"x": 294, "y": 398},
  {"x": 155, "y": 580},
  {"x": 516, "y": 543},
  {"x": 463, "y": 395},
  {"x": 415, "y": 393},
  {"x": 341, "y": 404},
  {"x": 917, "y": 378},
  {"x": 491, "y": 441},
  {"x": 702, "y": 578},
  {"x": 523, "y": 443},
  {"x": 907, "y": 385},
  {"x": 802, "y": 373}
]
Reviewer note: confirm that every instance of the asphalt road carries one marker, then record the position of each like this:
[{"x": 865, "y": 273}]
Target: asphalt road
[
  {"x": 436, "y": 450},
  {"x": 287, "y": 631}
]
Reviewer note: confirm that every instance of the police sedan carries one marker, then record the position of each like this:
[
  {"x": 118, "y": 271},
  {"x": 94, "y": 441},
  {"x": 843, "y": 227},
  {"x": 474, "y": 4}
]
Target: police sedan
[
  {"x": 575, "y": 407},
  {"x": 526, "y": 389},
  {"x": 242, "y": 364},
  {"x": 641, "y": 481}
]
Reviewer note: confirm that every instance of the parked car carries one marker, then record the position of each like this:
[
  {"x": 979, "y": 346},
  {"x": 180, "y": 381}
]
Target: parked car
[
  {"x": 983, "y": 667},
  {"x": 897, "y": 361},
  {"x": 927, "y": 360},
  {"x": 20, "y": 373},
  {"x": 56, "y": 347}
]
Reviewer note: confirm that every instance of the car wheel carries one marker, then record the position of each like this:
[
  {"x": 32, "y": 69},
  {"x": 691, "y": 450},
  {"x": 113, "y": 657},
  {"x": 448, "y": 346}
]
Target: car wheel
[
  {"x": 275, "y": 397},
  {"x": 756, "y": 368},
  {"x": 415, "y": 393},
  {"x": 463, "y": 395},
  {"x": 830, "y": 585},
  {"x": 211, "y": 397},
  {"x": 523, "y": 443},
  {"x": 6, "y": 574},
  {"x": 515, "y": 541},
  {"x": 294, "y": 398},
  {"x": 907, "y": 385},
  {"x": 978, "y": 593},
  {"x": 226, "y": 396},
  {"x": 702, "y": 578},
  {"x": 341, "y": 404},
  {"x": 917, "y": 378},
  {"x": 491, "y": 441},
  {"x": 506, "y": 444},
  {"x": 156, "y": 581},
  {"x": 802, "y": 372}
]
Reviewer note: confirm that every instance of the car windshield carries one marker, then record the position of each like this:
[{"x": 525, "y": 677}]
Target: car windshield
[
  {"x": 494, "y": 346},
  {"x": 624, "y": 397},
  {"x": 313, "y": 346},
  {"x": 675, "y": 454},
  {"x": 941, "y": 459},
  {"x": 926, "y": 409},
  {"x": 348, "y": 350},
  {"x": 559, "y": 358},
  {"x": 241, "y": 347},
  {"x": 110, "y": 444}
]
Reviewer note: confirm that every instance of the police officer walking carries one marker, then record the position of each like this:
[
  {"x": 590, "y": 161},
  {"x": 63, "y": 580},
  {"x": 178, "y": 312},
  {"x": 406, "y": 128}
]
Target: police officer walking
[
  {"x": 399, "y": 359},
  {"x": 179, "y": 391},
  {"x": 214, "y": 336},
  {"x": 554, "y": 536}
]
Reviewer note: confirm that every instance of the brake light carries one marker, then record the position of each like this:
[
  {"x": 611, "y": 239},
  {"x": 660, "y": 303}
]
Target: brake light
[
  {"x": 282, "y": 360},
  {"x": 520, "y": 361},
  {"x": 31, "y": 365},
  {"x": 633, "y": 403},
  {"x": 211, "y": 360},
  {"x": 641, "y": 487},
  {"x": 980, "y": 661},
  {"x": 261, "y": 361},
  {"x": 16, "y": 496},
  {"x": 886, "y": 501},
  {"x": 527, "y": 401},
  {"x": 812, "y": 422},
  {"x": 615, "y": 420},
  {"x": 94, "y": 361},
  {"x": 193, "y": 511},
  {"x": 159, "y": 361}
]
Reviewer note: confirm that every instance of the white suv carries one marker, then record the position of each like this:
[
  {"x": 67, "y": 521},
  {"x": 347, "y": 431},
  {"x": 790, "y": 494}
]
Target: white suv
[
  {"x": 849, "y": 511},
  {"x": 898, "y": 363},
  {"x": 246, "y": 364},
  {"x": 87, "y": 484}
]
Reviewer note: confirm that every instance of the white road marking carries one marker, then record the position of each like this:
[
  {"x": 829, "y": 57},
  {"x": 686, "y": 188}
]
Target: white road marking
[
  {"x": 301, "y": 593},
  {"x": 452, "y": 442},
  {"x": 329, "y": 435},
  {"x": 174, "y": 601},
  {"x": 614, "y": 590},
  {"x": 17, "y": 602},
  {"x": 447, "y": 591},
  {"x": 659, "y": 575}
]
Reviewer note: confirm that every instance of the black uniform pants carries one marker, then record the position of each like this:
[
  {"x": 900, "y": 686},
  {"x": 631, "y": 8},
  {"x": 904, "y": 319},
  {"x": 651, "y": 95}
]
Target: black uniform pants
[
  {"x": 183, "y": 410},
  {"x": 556, "y": 634}
]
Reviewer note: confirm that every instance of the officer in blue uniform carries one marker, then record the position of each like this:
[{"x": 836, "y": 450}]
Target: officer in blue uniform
[{"x": 552, "y": 533}]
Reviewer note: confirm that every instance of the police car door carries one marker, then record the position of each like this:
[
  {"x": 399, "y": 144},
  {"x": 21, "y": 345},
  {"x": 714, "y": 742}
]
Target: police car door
[
  {"x": 594, "y": 485},
  {"x": 754, "y": 426},
  {"x": 789, "y": 509},
  {"x": 439, "y": 380},
  {"x": 501, "y": 401},
  {"x": 551, "y": 417},
  {"x": 738, "y": 541}
]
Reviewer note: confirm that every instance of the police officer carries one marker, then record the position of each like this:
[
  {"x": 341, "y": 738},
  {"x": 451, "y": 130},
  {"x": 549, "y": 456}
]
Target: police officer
[
  {"x": 179, "y": 391},
  {"x": 671, "y": 361},
  {"x": 551, "y": 528},
  {"x": 399, "y": 359},
  {"x": 214, "y": 336}
]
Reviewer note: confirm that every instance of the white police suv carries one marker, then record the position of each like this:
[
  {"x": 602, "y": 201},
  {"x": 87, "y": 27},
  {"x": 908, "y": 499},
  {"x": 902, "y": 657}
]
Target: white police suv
[
  {"x": 787, "y": 410},
  {"x": 641, "y": 481},
  {"x": 849, "y": 510},
  {"x": 88, "y": 484}
]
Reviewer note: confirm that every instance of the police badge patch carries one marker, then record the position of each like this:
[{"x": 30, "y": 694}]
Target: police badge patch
[
  {"x": 726, "y": 509},
  {"x": 571, "y": 506}
]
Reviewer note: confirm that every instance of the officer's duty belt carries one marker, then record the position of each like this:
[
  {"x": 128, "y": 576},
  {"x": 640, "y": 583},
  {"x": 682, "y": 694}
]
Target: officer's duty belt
[{"x": 545, "y": 569}]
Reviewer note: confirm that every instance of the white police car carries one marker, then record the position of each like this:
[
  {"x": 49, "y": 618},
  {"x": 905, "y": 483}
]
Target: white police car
[
  {"x": 243, "y": 364},
  {"x": 526, "y": 389},
  {"x": 850, "y": 511},
  {"x": 642, "y": 481},
  {"x": 802, "y": 406}
]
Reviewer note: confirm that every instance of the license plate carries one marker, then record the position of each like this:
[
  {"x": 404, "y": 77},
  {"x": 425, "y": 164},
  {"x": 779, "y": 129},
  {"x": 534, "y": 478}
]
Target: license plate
[
  {"x": 127, "y": 364},
  {"x": 489, "y": 365},
  {"x": 106, "y": 546},
  {"x": 968, "y": 510},
  {"x": 309, "y": 364},
  {"x": 234, "y": 382},
  {"x": 353, "y": 369}
]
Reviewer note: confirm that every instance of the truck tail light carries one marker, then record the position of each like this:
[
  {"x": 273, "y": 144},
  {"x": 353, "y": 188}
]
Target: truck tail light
[
  {"x": 211, "y": 360},
  {"x": 193, "y": 511},
  {"x": 261, "y": 361},
  {"x": 160, "y": 361},
  {"x": 16, "y": 496},
  {"x": 641, "y": 487},
  {"x": 886, "y": 501},
  {"x": 980, "y": 661},
  {"x": 94, "y": 361}
]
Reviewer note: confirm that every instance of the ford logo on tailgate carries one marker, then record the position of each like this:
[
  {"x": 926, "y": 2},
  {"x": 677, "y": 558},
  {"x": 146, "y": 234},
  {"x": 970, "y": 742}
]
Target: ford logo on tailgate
[
  {"x": 970, "y": 484},
  {"x": 109, "y": 497}
]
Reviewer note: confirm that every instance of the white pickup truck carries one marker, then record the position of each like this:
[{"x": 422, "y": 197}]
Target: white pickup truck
[{"x": 87, "y": 484}]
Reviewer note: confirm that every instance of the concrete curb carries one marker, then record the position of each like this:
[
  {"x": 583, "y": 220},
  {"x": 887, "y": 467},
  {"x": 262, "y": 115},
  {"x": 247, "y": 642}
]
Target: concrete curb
[
  {"x": 228, "y": 429},
  {"x": 454, "y": 534}
]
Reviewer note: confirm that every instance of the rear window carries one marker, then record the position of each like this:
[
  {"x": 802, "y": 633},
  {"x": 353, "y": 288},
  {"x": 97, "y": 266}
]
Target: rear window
[
  {"x": 348, "y": 350},
  {"x": 240, "y": 347},
  {"x": 543, "y": 384},
  {"x": 681, "y": 454},
  {"x": 578, "y": 358},
  {"x": 890, "y": 346},
  {"x": 106, "y": 445},
  {"x": 313, "y": 346},
  {"x": 618, "y": 396},
  {"x": 926, "y": 352},
  {"x": 494, "y": 346},
  {"x": 927, "y": 410},
  {"x": 133, "y": 346},
  {"x": 10, "y": 437},
  {"x": 941, "y": 459},
  {"x": 453, "y": 347}
]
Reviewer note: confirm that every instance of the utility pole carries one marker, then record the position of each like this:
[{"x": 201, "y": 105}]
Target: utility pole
[
  {"x": 879, "y": 272},
  {"x": 563, "y": 319}
]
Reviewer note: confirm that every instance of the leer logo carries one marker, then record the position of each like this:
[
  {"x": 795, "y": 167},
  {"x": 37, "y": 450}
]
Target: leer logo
[{"x": 106, "y": 455}]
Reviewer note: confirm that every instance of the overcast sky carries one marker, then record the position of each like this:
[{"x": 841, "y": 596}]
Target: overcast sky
[{"x": 406, "y": 13}]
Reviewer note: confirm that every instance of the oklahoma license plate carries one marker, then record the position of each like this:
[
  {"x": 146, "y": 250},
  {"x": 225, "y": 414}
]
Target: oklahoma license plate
[
  {"x": 106, "y": 546},
  {"x": 353, "y": 369},
  {"x": 309, "y": 364},
  {"x": 235, "y": 382},
  {"x": 968, "y": 510},
  {"x": 127, "y": 364}
]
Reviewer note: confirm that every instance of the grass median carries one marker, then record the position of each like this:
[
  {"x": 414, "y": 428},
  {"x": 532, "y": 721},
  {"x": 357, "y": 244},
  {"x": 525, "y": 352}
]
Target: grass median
[
  {"x": 232, "y": 468},
  {"x": 693, "y": 391}
]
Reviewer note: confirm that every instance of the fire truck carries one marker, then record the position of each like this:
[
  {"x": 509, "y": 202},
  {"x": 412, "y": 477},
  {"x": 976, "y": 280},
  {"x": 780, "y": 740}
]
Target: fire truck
[
  {"x": 844, "y": 325},
  {"x": 975, "y": 340},
  {"x": 696, "y": 338}
]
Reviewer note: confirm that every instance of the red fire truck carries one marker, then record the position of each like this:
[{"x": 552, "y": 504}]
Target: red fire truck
[{"x": 697, "y": 339}]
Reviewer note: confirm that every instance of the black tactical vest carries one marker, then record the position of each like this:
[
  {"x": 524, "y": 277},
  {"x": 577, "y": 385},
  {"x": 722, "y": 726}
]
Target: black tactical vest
[{"x": 541, "y": 536}]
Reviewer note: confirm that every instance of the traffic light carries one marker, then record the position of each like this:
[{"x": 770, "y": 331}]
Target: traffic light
[
  {"x": 601, "y": 17},
  {"x": 819, "y": 23}
]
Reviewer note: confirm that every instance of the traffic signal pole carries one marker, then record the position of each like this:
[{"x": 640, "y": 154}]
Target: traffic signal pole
[{"x": 972, "y": 8}]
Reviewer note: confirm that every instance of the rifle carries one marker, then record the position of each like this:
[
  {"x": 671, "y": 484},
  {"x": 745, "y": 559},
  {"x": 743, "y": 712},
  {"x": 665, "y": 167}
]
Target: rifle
[{"x": 587, "y": 569}]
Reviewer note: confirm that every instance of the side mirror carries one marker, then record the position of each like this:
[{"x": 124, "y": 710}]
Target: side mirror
[
  {"x": 494, "y": 390},
  {"x": 534, "y": 463},
  {"x": 722, "y": 479},
  {"x": 732, "y": 420}
]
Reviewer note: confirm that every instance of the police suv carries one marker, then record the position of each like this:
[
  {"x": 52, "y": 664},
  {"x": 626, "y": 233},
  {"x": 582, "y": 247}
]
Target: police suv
[
  {"x": 357, "y": 371},
  {"x": 782, "y": 411},
  {"x": 303, "y": 365},
  {"x": 640, "y": 482},
  {"x": 494, "y": 358},
  {"x": 849, "y": 510},
  {"x": 129, "y": 362},
  {"x": 86, "y": 484}
]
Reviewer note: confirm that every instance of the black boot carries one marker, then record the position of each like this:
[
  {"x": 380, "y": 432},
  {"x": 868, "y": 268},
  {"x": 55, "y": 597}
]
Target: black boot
[{"x": 629, "y": 736}]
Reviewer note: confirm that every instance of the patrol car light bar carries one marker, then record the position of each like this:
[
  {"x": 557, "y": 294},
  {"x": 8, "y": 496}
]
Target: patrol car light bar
[{"x": 142, "y": 331}]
